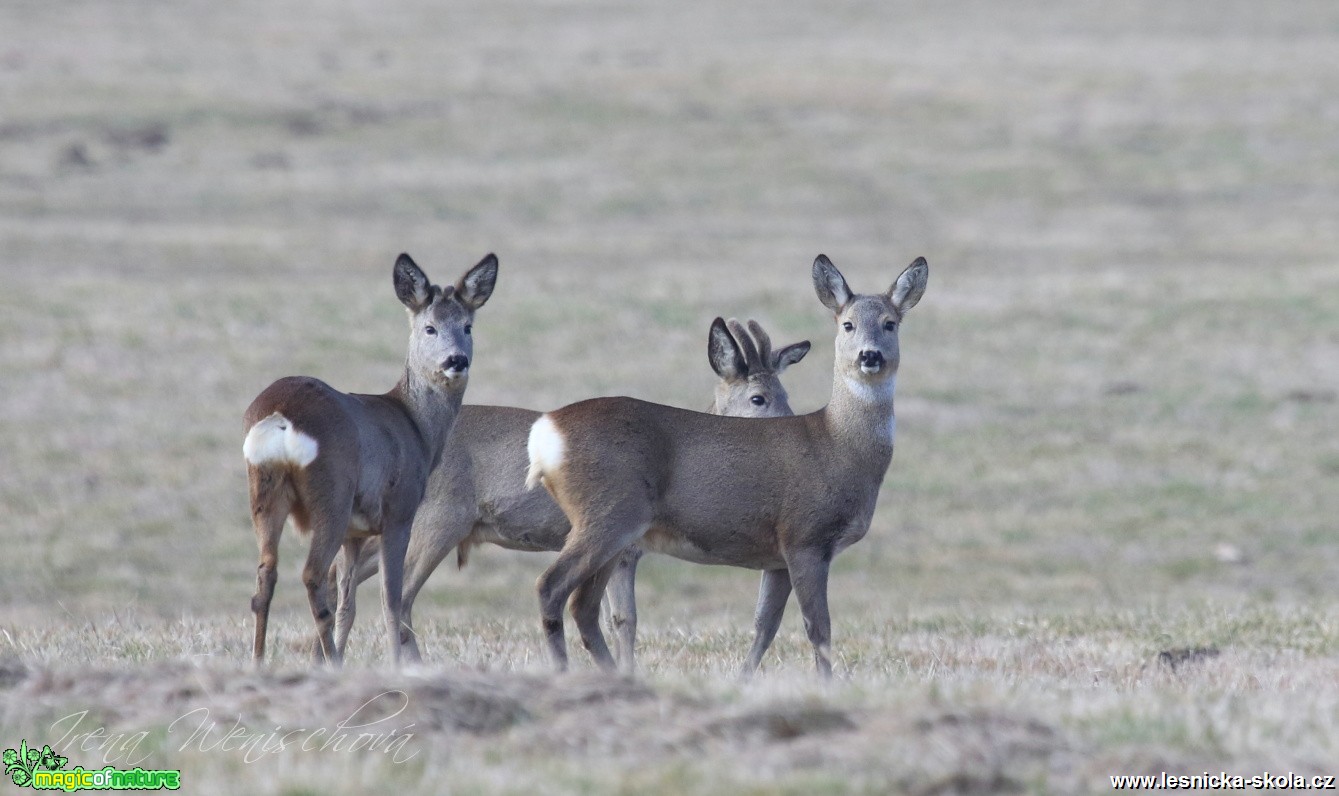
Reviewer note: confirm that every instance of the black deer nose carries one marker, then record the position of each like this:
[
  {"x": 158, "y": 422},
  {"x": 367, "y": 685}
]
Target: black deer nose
[
  {"x": 871, "y": 358},
  {"x": 457, "y": 363}
]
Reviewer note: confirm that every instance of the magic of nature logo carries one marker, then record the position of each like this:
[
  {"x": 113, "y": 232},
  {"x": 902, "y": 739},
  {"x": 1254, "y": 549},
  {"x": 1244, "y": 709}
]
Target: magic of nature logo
[{"x": 45, "y": 770}]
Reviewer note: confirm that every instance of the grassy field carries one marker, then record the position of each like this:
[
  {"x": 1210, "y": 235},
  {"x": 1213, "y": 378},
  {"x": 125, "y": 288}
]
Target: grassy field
[{"x": 1117, "y": 402}]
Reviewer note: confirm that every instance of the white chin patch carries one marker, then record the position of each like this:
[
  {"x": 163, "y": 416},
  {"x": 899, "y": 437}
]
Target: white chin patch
[{"x": 870, "y": 369}]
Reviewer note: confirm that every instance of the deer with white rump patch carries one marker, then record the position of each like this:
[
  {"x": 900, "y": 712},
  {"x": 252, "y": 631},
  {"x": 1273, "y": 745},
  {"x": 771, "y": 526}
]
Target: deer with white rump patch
[
  {"x": 478, "y": 495},
  {"x": 783, "y": 495},
  {"x": 349, "y": 466}
]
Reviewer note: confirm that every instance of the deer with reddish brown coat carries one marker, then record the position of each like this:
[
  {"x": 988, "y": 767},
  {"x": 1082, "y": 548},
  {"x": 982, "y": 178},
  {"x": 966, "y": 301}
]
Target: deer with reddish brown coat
[{"x": 348, "y": 467}]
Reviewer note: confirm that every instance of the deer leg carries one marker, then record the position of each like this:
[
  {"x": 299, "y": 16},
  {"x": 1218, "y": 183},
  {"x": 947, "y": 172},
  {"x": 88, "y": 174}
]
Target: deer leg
[
  {"x": 586, "y": 551},
  {"x": 809, "y": 576},
  {"x": 772, "y": 594},
  {"x": 434, "y": 536},
  {"x": 394, "y": 540},
  {"x": 327, "y": 535},
  {"x": 369, "y": 559},
  {"x": 269, "y": 524},
  {"x": 618, "y": 608},
  {"x": 585, "y": 608},
  {"x": 346, "y": 591}
]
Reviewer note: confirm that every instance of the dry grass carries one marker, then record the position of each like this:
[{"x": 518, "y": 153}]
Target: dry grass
[
  {"x": 1116, "y": 409},
  {"x": 1052, "y": 703}
]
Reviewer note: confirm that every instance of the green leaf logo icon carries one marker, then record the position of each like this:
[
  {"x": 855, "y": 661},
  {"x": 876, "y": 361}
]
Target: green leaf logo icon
[{"x": 22, "y": 763}]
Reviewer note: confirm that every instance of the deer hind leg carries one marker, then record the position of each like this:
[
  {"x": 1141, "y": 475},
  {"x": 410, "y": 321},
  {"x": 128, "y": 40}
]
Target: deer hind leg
[
  {"x": 618, "y": 608},
  {"x": 271, "y": 501},
  {"x": 589, "y": 548},
  {"x": 809, "y": 575},
  {"x": 773, "y": 592},
  {"x": 369, "y": 560},
  {"x": 345, "y": 572},
  {"x": 369, "y": 557},
  {"x": 328, "y": 525},
  {"x": 585, "y": 607}
]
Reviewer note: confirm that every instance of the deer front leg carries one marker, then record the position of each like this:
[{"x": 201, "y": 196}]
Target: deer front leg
[
  {"x": 773, "y": 592},
  {"x": 618, "y": 608},
  {"x": 809, "y": 576},
  {"x": 435, "y": 534},
  {"x": 394, "y": 541}
]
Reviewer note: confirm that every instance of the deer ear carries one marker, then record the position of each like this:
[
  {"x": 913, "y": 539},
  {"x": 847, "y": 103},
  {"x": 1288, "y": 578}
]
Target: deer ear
[
  {"x": 910, "y": 286},
  {"x": 830, "y": 285},
  {"x": 411, "y": 284},
  {"x": 723, "y": 353},
  {"x": 790, "y": 355},
  {"x": 477, "y": 284}
]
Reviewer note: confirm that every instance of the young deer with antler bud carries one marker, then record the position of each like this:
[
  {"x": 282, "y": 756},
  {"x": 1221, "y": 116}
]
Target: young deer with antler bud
[
  {"x": 478, "y": 495},
  {"x": 783, "y": 495},
  {"x": 349, "y": 466}
]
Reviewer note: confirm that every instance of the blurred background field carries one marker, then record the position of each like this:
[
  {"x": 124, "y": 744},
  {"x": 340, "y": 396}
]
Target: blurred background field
[{"x": 1117, "y": 403}]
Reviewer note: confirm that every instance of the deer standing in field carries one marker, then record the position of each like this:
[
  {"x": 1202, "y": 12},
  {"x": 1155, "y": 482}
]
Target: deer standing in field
[
  {"x": 349, "y": 466},
  {"x": 478, "y": 494},
  {"x": 783, "y": 495}
]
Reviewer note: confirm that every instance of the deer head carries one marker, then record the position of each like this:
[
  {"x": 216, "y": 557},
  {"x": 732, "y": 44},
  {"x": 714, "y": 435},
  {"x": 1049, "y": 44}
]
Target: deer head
[
  {"x": 750, "y": 384},
  {"x": 441, "y": 342}
]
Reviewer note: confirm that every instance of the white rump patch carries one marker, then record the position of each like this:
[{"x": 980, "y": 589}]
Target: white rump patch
[
  {"x": 275, "y": 439},
  {"x": 545, "y": 447}
]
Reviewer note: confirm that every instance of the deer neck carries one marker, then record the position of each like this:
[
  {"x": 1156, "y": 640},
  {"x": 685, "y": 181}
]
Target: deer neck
[
  {"x": 431, "y": 406},
  {"x": 860, "y": 418}
]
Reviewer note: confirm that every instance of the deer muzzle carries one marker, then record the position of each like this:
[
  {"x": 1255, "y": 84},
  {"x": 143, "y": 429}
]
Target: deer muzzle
[{"x": 455, "y": 366}]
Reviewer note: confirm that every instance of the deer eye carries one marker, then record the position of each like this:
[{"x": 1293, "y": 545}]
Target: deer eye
[
  {"x": 889, "y": 325},
  {"x": 469, "y": 328},
  {"x": 848, "y": 326},
  {"x": 430, "y": 330},
  {"x": 758, "y": 400}
]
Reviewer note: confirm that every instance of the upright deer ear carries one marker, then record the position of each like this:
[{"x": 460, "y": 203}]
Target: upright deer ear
[
  {"x": 910, "y": 286},
  {"x": 723, "y": 353},
  {"x": 476, "y": 285},
  {"x": 830, "y": 285},
  {"x": 411, "y": 284},
  {"x": 790, "y": 355}
]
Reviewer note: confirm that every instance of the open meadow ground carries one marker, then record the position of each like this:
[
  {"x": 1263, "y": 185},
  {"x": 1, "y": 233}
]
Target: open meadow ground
[{"x": 1109, "y": 539}]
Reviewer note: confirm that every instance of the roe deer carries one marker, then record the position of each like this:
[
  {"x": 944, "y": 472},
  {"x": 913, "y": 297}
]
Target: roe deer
[
  {"x": 348, "y": 466},
  {"x": 783, "y": 495},
  {"x": 478, "y": 495}
]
